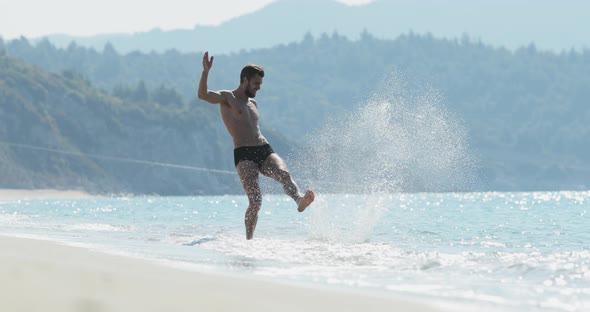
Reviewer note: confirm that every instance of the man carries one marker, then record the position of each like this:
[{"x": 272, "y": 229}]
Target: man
[{"x": 252, "y": 153}]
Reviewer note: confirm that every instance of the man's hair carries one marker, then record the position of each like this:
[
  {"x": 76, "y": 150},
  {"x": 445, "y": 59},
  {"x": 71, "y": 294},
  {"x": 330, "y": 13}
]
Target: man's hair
[{"x": 250, "y": 71}]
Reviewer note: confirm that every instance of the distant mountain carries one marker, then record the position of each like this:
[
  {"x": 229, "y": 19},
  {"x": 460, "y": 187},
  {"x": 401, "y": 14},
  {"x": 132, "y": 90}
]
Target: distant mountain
[{"x": 548, "y": 24}]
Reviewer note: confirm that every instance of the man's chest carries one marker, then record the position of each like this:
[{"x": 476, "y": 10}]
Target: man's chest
[{"x": 247, "y": 110}]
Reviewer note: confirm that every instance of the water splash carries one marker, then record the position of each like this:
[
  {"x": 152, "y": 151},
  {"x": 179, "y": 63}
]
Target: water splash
[
  {"x": 400, "y": 140},
  {"x": 352, "y": 222}
]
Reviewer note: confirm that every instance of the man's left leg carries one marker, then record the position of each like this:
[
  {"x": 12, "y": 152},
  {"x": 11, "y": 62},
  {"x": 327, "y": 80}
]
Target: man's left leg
[{"x": 275, "y": 168}]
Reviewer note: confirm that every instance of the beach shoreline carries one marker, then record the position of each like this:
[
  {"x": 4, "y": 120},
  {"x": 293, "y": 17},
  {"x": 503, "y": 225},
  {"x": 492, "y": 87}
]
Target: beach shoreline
[
  {"x": 68, "y": 278},
  {"x": 44, "y": 193}
]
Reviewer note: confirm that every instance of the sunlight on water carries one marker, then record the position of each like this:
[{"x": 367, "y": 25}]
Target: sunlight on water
[{"x": 496, "y": 251}]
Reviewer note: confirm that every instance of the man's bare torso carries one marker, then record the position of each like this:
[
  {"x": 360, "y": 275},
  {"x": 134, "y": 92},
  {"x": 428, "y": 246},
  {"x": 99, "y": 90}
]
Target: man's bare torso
[{"x": 240, "y": 117}]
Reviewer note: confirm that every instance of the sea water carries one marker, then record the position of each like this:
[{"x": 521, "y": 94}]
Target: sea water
[{"x": 493, "y": 251}]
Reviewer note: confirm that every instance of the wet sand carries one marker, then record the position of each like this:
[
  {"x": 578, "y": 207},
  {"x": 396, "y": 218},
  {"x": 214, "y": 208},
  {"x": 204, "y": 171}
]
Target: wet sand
[{"x": 38, "y": 275}]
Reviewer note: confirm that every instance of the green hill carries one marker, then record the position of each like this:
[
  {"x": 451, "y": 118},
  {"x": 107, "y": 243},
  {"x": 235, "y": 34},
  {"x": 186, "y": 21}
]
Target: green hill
[
  {"x": 525, "y": 111},
  {"x": 57, "y": 131}
]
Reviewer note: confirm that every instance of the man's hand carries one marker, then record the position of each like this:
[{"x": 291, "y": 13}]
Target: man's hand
[
  {"x": 213, "y": 97},
  {"x": 207, "y": 64}
]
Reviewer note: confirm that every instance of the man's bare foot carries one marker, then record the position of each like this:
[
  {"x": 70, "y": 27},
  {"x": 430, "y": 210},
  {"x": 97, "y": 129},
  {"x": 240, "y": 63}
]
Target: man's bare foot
[{"x": 306, "y": 200}]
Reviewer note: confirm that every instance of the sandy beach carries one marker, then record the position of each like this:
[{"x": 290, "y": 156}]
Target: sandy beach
[
  {"x": 43, "y": 193},
  {"x": 38, "y": 275}
]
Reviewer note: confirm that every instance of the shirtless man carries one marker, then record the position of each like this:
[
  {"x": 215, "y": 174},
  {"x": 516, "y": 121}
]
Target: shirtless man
[{"x": 252, "y": 153}]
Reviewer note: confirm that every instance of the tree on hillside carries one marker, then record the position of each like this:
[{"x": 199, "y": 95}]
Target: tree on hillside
[
  {"x": 2, "y": 47},
  {"x": 166, "y": 96}
]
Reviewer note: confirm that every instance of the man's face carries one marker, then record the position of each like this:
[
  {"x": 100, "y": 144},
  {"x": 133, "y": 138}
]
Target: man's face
[{"x": 253, "y": 85}]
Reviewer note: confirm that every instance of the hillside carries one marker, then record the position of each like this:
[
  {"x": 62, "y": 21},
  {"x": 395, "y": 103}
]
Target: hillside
[
  {"x": 57, "y": 131},
  {"x": 524, "y": 111}
]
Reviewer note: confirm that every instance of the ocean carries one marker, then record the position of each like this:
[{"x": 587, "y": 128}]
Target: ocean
[{"x": 458, "y": 251}]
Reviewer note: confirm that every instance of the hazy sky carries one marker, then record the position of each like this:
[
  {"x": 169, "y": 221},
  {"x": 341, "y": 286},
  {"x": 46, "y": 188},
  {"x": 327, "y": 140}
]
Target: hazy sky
[{"x": 33, "y": 18}]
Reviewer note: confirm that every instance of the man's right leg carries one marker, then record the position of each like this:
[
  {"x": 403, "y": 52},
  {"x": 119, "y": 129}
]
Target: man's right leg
[
  {"x": 248, "y": 172},
  {"x": 275, "y": 167}
]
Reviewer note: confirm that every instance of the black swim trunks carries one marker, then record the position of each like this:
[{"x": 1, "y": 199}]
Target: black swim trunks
[{"x": 257, "y": 154}]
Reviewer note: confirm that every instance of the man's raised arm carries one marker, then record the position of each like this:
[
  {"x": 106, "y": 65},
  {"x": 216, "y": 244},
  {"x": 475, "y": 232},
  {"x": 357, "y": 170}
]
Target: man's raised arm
[{"x": 213, "y": 97}]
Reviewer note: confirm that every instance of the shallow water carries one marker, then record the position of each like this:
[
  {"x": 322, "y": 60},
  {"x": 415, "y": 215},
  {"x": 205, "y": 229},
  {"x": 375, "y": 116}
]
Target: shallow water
[{"x": 497, "y": 251}]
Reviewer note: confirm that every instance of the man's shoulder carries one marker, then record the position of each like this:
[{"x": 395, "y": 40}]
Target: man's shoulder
[
  {"x": 227, "y": 95},
  {"x": 227, "y": 92}
]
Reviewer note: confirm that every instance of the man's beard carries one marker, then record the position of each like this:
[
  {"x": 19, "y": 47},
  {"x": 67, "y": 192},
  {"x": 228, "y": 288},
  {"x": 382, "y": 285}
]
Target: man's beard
[{"x": 249, "y": 93}]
